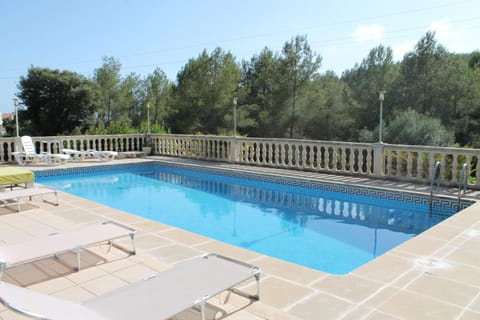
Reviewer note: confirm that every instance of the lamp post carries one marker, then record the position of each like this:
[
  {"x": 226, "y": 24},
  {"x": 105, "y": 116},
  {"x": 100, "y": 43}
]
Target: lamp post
[
  {"x": 381, "y": 97},
  {"x": 15, "y": 103},
  {"x": 234, "y": 117},
  {"x": 148, "y": 118}
]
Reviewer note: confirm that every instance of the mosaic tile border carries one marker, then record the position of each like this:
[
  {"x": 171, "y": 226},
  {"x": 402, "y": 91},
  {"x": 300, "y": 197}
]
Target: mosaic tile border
[
  {"x": 438, "y": 201},
  {"x": 86, "y": 170}
]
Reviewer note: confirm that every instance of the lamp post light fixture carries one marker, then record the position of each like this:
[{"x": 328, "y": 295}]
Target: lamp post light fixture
[
  {"x": 381, "y": 97},
  {"x": 234, "y": 117},
  {"x": 15, "y": 103}
]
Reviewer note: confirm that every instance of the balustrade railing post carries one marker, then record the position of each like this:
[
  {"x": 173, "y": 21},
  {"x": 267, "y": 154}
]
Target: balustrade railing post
[
  {"x": 378, "y": 160},
  {"x": 233, "y": 149}
]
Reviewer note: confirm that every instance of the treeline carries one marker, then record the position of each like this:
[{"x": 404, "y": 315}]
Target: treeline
[{"x": 432, "y": 97}]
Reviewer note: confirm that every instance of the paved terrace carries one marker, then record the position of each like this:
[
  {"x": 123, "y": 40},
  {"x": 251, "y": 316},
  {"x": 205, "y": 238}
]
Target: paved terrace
[{"x": 433, "y": 276}]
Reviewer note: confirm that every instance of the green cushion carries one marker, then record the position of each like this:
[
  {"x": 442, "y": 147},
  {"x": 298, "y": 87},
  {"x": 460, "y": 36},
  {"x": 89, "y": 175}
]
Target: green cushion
[{"x": 9, "y": 175}]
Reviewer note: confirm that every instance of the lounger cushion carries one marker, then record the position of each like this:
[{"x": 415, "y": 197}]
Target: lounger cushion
[{"x": 9, "y": 176}]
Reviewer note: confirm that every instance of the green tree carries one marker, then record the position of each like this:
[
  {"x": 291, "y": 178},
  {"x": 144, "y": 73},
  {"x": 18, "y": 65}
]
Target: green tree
[
  {"x": 261, "y": 95},
  {"x": 300, "y": 65},
  {"x": 411, "y": 127},
  {"x": 157, "y": 94},
  {"x": 474, "y": 61},
  {"x": 420, "y": 81},
  {"x": 108, "y": 80},
  {"x": 467, "y": 120},
  {"x": 326, "y": 114},
  {"x": 57, "y": 102},
  {"x": 204, "y": 93},
  {"x": 377, "y": 72},
  {"x": 129, "y": 101}
]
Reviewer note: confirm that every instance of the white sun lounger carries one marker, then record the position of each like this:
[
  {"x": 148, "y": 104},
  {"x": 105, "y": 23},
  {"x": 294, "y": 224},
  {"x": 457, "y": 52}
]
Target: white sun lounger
[
  {"x": 29, "y": 154},
  {"x": 67, "y": 241},
  {"x": 19, "y": 194},
  {"x": 91, "y": 153},
  {"x": 103, "y": 155},
  {"x": 159, "y": 297},
  {"x": 75, "y": 155}
]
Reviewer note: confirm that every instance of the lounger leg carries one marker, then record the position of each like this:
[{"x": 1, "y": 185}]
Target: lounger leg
[
  {"x": 77, "y": 252},
  {"x": 257, "y": 278},
  {"x": 133, "y": 251},
  {"x": 132, "y": 236},
  {"x": 3, "y": 267},
  {"x": 202, "y": 309},
  {"x": 247, "y": 295}
]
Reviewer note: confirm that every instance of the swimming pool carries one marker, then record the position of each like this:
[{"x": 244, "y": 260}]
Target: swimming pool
[{"x": 304, "y": 222}]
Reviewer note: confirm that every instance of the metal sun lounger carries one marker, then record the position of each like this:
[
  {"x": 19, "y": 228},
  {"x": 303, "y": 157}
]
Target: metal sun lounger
[
  {"x": 103, "y": 155},
  {"x": 17, "y": 195},
  {"x": 68, "y": 241},
  {"x": 161, "y": 296},
  {"x": 76, "y": 155},
  {"x": 90, "y": 153}
]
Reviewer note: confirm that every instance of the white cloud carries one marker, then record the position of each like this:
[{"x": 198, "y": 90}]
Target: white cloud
[
  {"x": 372, "y": 32},
  {"x": 399, "y": 49},
  {"x": 456, "y": 38},
  {"x": 442, "y": 28}
]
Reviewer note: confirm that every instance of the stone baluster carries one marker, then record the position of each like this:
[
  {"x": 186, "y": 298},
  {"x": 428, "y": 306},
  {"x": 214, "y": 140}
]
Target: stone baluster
[
  {"x": 476, "y": 169},
  {"x": 455, "y": 169},
  {"x": 389, "y": 163},
  {"x": 169, "y": 145},
  {"x": 415, "y": 164},
  {"x": 280, "y": 154},
  {"x": 252, "y": 152},
  {"x": 295, "y": 155},
  {"x": 277, "y": 154},
  {"x": 352, "y": 160},
  {"x": 443, "y": 165},
  {"x": 215, "y": 149},
  {"x": 269, "y": 154},
  {"x": 260, "y": 153},
  {"x": 206, "y": 149},
  {"x": 343, "y": 160},
  {"x": 309, "y": 156},
  {"x": 305, "y": 156},
  {"x": 327, "y": 158},
  {"x": 172, "y": 146},
  {"x": 408, "y": 163},
  {"x": 290, "y": 155}
]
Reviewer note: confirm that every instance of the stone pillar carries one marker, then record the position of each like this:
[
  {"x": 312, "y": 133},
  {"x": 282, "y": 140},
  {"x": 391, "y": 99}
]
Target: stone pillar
[
  {"x": 233, "y": 150},
  {"x": 378, "y": 160}
]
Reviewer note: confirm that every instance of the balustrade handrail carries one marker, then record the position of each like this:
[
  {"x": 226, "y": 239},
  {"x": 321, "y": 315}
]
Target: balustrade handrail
[{"x": 378, "y": 160}]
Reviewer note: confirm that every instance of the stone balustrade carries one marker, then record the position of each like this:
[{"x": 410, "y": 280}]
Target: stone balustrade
[
  {"x": 378, "y": 160},
  {"x": 55, "y": 144}
]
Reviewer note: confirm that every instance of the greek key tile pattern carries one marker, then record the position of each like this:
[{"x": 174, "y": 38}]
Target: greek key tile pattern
[{"x": 342, "y": 191}]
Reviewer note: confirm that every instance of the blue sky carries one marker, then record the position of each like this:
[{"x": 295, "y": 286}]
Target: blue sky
[{"x": 145, "y": 34}]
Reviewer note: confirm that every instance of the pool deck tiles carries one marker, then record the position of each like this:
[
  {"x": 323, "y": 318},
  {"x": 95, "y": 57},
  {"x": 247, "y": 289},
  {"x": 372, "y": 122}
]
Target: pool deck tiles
[{"x": 436, "y": 275}]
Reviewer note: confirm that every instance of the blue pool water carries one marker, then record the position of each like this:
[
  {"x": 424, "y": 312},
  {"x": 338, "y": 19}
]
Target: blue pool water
[{"x": 329, "y": 231}]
